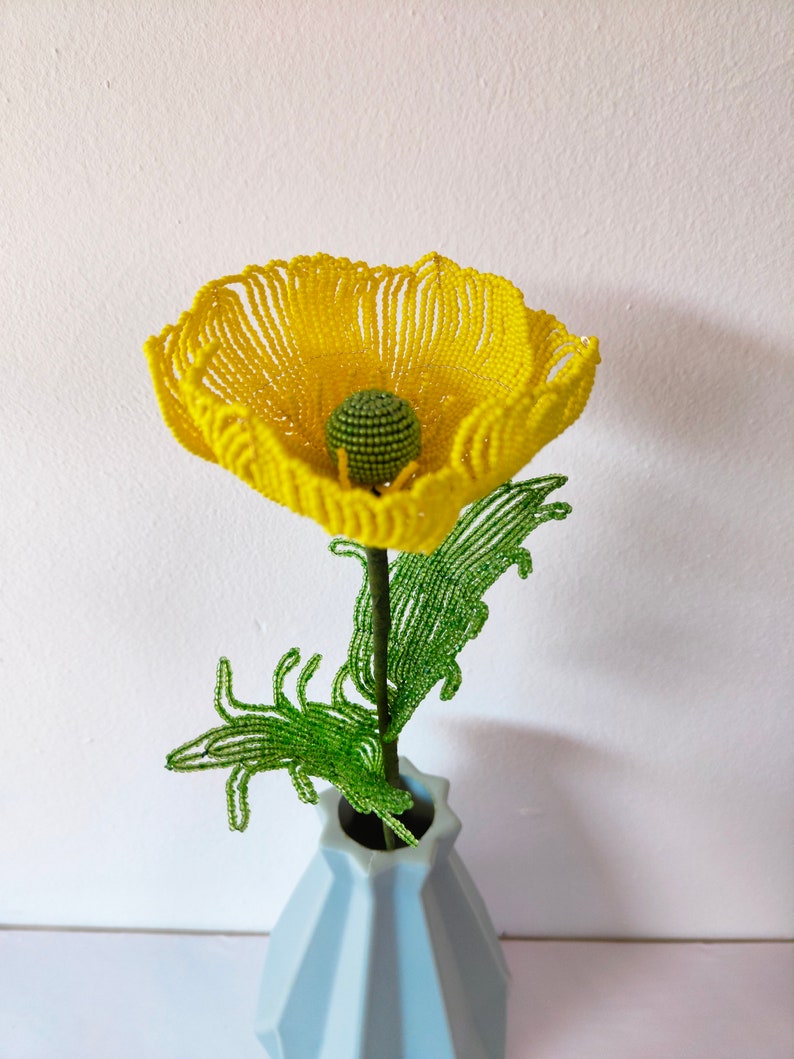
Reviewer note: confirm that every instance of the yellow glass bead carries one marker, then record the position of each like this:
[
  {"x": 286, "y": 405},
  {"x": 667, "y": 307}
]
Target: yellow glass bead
[{"x": 249, "y": 377}]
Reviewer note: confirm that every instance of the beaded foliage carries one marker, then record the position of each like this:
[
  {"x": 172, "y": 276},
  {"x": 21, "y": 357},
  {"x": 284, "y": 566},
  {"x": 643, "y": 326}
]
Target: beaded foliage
[
  {"x": 436, "y": 599},
  {"x": 250, "y": 375},
  {"x": 437, "y": 607}
]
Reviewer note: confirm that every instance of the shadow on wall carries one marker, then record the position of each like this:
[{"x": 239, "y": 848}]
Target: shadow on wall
[
  {"x": 688, "y": 474},
  {"x": 541, "y": 865},
  {"x": 689, "y": 471},
  {"x": 547, "y": 863},
  {"x": 669, "y": 374}
]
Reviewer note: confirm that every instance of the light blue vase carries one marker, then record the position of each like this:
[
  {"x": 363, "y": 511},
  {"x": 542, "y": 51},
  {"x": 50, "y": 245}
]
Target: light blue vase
[{"x": 385, "y": 955}]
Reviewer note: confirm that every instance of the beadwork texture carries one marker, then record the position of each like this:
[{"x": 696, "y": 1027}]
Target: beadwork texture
[
  {"x": 379, "y": 432},
  {"x": 437, "y": 607},
  {"x": 436, "y": 600},
  {"x": 249, "y": 376}
]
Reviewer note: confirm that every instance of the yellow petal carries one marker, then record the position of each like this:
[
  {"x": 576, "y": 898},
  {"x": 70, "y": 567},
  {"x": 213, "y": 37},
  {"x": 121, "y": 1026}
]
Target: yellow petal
[{"x": 248, "y": 377}]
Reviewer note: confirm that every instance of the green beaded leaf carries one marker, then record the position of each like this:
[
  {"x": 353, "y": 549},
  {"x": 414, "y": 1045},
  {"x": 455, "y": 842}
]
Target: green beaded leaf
[
  {"x": 436, "y": 599},
  {"x": 436, "y": 608},
  {"x": 336, "y": 743}
]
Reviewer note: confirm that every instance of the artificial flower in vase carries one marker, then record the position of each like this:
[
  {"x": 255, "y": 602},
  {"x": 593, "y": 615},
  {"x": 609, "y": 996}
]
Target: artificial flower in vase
[{"x": 393, "y": 406}]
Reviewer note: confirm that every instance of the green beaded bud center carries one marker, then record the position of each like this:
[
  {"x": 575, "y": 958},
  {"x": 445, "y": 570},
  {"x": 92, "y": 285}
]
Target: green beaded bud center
[{"x": 379, "y": 432}]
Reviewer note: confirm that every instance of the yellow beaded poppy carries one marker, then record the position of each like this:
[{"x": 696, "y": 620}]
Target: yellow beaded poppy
[{"x": 250, "y": 375}]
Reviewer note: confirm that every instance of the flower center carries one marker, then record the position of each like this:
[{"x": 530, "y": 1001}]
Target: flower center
[{"x": 379, "y": 432}]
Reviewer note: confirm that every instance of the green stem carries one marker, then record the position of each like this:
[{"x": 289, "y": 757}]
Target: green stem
[{"x": 378, "y": 574}]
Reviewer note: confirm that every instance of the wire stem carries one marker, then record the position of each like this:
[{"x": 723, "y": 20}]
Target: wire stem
[{"x": 378, "y": 575}]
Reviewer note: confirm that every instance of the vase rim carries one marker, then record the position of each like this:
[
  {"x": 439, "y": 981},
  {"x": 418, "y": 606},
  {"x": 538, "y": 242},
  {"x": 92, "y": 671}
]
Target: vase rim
[{"x": 442, "y": 831}]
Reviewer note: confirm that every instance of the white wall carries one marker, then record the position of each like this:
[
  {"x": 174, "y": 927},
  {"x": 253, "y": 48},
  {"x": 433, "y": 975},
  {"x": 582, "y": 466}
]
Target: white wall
[{"x": 620, "y": 750}]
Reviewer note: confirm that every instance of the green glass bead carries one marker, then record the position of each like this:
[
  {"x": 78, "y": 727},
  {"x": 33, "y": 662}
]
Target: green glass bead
[{"x": 379, "y": 432}]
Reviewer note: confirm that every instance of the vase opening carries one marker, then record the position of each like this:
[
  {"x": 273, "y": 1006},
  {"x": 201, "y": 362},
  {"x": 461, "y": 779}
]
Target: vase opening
[{"x": 367, "y": 828}]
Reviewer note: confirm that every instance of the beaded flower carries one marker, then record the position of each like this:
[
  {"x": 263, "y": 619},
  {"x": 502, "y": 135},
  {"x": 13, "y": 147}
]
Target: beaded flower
[{"x": 250, "y": 376}]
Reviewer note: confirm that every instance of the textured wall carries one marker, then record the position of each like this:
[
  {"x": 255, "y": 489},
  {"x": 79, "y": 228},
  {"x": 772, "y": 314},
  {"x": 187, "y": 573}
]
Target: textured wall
[{"x": 620, "y": 750}]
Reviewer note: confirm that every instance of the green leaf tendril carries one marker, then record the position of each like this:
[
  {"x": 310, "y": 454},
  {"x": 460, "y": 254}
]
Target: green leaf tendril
[{"x": 436, "y": 608}]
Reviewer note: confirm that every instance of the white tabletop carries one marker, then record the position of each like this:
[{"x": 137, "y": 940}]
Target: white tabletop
[{"x": 106, "y": 995}]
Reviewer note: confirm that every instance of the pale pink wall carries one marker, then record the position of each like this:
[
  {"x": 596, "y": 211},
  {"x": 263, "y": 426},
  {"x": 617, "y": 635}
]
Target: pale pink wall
[{"x": 620, "y": 750}]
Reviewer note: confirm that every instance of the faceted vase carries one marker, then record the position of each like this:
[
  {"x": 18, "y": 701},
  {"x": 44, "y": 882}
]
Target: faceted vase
[{"x": 385, "y": 955}]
